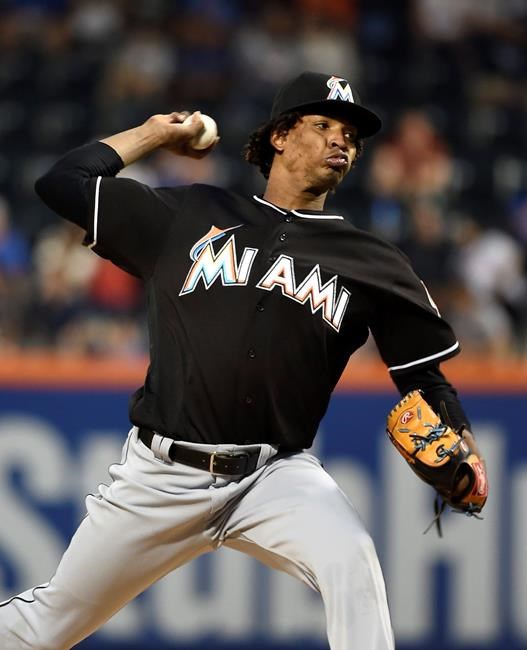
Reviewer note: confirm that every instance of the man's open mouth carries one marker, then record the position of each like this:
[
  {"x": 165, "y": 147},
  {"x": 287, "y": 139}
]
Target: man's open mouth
[{"x": 337, "y": 161}]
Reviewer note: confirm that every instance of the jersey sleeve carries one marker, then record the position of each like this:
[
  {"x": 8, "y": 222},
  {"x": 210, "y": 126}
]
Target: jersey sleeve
[
  {"x": 128, "y": 222},
  {"x": 411, "y": 335}
]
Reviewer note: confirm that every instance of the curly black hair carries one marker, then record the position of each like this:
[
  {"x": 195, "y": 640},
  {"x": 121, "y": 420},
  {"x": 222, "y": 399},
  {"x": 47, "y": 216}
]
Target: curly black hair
[{"x": 260, "y": 152}]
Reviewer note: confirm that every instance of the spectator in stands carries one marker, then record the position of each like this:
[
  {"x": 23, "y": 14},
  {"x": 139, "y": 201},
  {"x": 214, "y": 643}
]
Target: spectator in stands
[
  {"x": 386, "y": 209},
  {"x": 431, "y": 250},
  {"x": 205, "y": 46},
  {"x": 424, "y": 156},
  {"x": 14, "y": 248},
  {"x": 268, "y": 49},
  {"x": 413, "y": 166},
  {"x": 14, "y": 266},
  {"x": 517, "y": 217},
  {"x": 491, "y": 266},
  {"x": 96, "y": 22},
  {"x": 339, "y": 14},
  {"x": 63, "y": 273},
  {"x": 482, "y": 327},
  {"x": 135, "y": 81},
  {"x": 326, "y": 46},
  {"x": 71, "y": 70}
]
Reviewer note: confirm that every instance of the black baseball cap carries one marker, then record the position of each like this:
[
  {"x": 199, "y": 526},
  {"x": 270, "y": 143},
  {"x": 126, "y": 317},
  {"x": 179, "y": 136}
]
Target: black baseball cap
[{"x": 324, "y": 94}]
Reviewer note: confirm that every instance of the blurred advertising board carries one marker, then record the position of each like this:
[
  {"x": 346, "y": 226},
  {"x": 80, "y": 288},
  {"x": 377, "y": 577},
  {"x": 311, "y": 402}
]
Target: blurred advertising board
[{"x": 465, "y": 591}]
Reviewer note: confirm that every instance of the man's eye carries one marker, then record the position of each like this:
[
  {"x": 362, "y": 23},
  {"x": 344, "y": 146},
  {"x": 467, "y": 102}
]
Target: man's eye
[
  {"x": 322, "y": 125},
  {"x": 350, "y": 135}
]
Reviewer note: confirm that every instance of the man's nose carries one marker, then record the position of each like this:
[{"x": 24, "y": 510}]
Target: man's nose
[{"x": 338, "y": 139}]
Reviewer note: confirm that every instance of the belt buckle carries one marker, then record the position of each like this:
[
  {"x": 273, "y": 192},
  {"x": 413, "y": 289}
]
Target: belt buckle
[{"x": 212, "y": 459}]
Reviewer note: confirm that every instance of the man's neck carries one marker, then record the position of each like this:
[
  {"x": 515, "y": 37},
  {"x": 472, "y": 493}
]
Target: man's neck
[{"x": 291, "y": 198}]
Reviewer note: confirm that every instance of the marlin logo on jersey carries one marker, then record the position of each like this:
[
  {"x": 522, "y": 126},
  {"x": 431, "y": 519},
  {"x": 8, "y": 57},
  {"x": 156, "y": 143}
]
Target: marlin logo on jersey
[
  {"x": 209, "y": 265},
  {"x": 339, "y": 88}
]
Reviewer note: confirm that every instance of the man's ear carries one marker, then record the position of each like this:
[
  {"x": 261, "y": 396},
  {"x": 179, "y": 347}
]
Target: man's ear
[{"x": 278, "y": 140}]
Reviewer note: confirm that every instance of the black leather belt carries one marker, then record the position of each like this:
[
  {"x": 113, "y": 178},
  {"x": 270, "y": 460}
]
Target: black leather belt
[{"x": 213, "y": 462}]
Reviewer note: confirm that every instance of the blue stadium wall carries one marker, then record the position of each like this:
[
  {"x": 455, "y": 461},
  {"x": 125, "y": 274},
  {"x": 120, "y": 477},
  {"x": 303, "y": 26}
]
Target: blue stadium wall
[{"x": 465, "y": 591}]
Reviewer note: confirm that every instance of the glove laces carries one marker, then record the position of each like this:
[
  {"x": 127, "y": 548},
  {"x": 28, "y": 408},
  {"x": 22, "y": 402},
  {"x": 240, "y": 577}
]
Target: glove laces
[{"x": 440, "y": 506}]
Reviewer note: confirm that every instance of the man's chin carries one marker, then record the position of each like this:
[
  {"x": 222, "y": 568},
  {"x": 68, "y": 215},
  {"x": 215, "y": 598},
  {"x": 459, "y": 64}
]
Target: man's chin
[
  {"x": 327, "y": 181},
  {"x": 333, "y": 179}
]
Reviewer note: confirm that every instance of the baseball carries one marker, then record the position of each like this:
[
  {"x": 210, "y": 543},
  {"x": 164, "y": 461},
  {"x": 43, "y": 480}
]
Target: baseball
[{"x": 207, "y": 135}]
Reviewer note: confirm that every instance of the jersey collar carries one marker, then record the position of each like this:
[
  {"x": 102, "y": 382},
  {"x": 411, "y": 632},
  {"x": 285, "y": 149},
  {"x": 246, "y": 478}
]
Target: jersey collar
[{"x": 304, "y": 214}]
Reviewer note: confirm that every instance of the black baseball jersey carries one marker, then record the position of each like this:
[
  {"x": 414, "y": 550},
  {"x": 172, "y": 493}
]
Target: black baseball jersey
[{"x": 253, "y": 310}]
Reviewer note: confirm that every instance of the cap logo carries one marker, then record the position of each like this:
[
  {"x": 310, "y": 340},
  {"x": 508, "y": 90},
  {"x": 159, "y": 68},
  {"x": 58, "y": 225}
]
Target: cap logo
[{"x": 339, "y": 89}]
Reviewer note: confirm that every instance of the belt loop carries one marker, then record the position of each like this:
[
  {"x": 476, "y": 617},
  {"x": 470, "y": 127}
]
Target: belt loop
[
  {"x": 266, "y": 452},
  {"x": 160, "y": 447}
]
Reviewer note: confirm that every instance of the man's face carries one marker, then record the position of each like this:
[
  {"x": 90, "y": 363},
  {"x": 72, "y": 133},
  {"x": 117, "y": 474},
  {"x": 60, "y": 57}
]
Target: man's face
[{"x": 318, "y": 151}]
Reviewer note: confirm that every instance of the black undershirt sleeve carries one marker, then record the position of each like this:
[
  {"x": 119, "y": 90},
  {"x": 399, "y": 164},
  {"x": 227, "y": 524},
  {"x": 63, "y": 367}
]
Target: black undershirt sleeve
[
  {"x": 65, "y": 188},
  {"x": 436, "y": 389}
]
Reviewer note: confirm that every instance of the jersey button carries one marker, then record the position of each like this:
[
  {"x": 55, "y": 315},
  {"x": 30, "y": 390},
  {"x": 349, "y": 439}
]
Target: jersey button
[
  {"x": 289, "y": 218},
  {"x": 252, "y": 353},
  {"x": 282, "y": 237},
  {"x": 249, "y": 399},
  {"x": 272, "y": 258},
  {"x": 259, "y": 307}
]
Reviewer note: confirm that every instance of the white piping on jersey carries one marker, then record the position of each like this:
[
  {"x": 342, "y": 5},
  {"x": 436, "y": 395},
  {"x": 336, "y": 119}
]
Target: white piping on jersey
[
  {"x": 295, "y": 212},
  {"x": 96, "y": 212},
  {"x": 430, "y": 299},
  {"x": 257, "y": 198},
  {"x": 317, "y": 216},
  {"x": 429, "y": 358}
]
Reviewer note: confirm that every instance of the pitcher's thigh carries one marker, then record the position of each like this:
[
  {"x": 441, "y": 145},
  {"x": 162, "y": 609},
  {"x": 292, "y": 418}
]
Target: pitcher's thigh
[
  {"x": 297, "y": 519},
  {"x": 297, "y": 516}
]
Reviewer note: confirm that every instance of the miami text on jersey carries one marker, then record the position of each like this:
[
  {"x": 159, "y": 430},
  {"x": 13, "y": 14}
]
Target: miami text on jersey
[{"x": 208, "y": 265}]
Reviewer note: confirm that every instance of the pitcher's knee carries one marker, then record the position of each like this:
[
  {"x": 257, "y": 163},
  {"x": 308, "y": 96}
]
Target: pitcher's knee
[
  {"x": 364, "y": 548},
  {"x": 350, "y": 558},
  {"x": 19, "y": 633},
  {"x": 43, "y": 618}
]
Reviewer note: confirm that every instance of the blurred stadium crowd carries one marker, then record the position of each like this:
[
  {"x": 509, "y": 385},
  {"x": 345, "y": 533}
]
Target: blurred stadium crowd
[{"x": 446, "y": 180}]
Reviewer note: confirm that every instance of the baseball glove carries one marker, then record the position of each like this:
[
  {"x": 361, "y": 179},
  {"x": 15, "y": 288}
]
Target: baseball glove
[{"x": 447, "y": 460}]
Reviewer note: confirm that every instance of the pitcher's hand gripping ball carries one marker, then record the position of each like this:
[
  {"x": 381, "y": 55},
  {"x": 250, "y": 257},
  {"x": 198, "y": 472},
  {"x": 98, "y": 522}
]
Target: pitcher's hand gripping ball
[
  {"x": 208, "y": 134},
  {"x": 447, "y": 460}
]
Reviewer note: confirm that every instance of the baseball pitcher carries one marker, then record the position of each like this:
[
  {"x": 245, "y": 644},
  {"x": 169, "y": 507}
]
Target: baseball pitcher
[{"x": 255, "y": 304}]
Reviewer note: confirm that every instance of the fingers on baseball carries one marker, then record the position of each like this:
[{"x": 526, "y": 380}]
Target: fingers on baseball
[
  {"x": 193, "y": 125},
  {"x": 178, "y": 117}
]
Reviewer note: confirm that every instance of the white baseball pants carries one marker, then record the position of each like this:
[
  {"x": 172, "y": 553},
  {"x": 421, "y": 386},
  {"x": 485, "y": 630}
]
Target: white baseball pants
[{"x": 157, "y": 515}]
